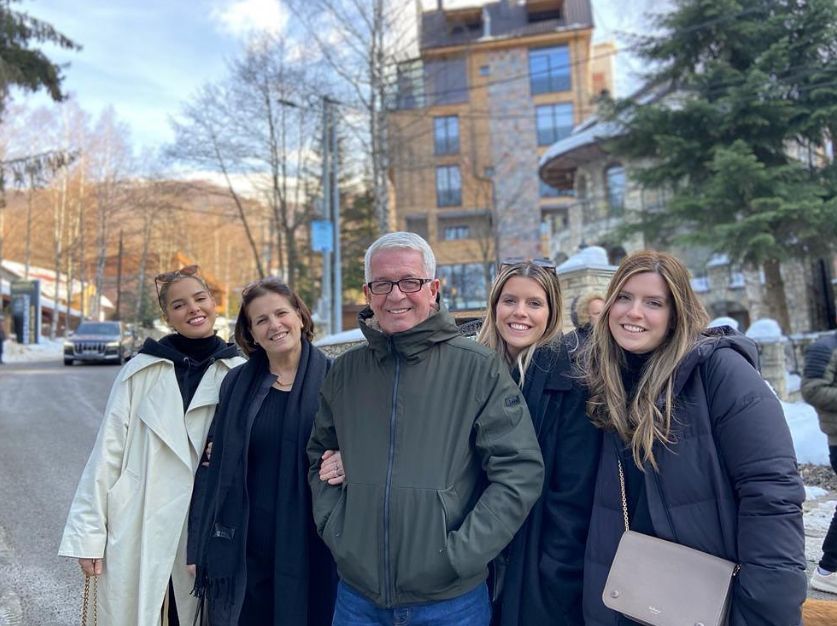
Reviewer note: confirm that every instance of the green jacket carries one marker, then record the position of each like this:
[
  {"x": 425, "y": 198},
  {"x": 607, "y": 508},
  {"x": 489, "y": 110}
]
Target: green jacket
[
  {"x": 442, "y": 462},
  {"x": 819, "y": 383}
]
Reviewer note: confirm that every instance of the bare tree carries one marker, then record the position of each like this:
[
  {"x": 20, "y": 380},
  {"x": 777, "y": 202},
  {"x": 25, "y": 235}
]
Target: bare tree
[
  {"x": 110, "y": 163},
  {"x": 256, "y": 125},
  {"x": 362, "y": 41}
]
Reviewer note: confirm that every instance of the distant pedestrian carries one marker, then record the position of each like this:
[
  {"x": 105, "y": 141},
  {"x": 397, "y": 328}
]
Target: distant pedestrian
[
  {"x": 2, "y": 337},
  {"x": 704, "y": 447},
  {"x": 585, "y": 311},
  {"x": 259, "y": 558},
  {"x": 819, "y": 389},
  {"x": 127, "y": 522}
]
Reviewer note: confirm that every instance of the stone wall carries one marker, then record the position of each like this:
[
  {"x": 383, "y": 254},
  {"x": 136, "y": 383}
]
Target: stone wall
[{"x": 514, "y": 154}]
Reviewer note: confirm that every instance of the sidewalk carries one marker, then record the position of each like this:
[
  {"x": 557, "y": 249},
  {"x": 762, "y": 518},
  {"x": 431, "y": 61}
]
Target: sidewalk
[{"x": 818, "y": 513}]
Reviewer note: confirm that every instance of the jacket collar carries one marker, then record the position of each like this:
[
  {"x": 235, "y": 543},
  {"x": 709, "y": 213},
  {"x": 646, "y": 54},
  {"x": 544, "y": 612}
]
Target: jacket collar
[
  {"x": 158, "y": 417},
  {"x": 410, "y": 344}
]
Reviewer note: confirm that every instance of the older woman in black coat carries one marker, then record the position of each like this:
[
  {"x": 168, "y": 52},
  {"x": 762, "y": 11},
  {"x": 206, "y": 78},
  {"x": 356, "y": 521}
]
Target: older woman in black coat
[
  {"x": 538, "y": 579},
  {"x": 259, "y": 559}
]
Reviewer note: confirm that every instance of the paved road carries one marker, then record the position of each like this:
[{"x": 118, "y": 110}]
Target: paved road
[{"x": 49, "y": 416}]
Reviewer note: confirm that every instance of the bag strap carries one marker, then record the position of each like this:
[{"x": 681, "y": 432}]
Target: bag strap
[
  {"x": 86, "y": 598},
  {"x": 624, "y": 498}
]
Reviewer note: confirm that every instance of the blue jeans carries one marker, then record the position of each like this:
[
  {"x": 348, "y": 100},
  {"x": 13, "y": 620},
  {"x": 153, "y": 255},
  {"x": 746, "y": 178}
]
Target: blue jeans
[{"x": 469, "y": 609}]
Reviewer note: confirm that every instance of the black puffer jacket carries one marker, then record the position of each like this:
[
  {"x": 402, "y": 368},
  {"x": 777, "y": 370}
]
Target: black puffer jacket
[{"x": 728, "y": 485}]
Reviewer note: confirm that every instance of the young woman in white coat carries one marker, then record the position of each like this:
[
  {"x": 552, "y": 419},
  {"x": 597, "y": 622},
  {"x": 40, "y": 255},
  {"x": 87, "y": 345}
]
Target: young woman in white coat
[{"x": 127, "y": 522}]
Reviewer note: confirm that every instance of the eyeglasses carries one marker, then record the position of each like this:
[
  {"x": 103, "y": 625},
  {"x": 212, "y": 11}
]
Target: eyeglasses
[
  {"x": 546, "y": 264},
  {"x": 406, "y": 285},
  {"x": 167, "y": 278}
]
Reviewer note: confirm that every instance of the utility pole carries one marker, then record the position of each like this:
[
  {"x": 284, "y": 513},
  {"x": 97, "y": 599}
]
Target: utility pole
[
  {"x": 119, "y": 278},
  {"x": 326, "y": 189},
  {"x": 337, "y": 298}
]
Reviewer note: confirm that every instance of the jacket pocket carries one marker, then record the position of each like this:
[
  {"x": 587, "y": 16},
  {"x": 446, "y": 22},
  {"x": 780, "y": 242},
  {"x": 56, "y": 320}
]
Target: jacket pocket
[
  {"x": 352, "y": 534},
  {"x": 120, "y": 495},
  {"x": 422, "y": 566}
]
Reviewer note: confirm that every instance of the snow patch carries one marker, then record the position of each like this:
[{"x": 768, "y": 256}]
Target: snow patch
[
  {"x": 812, "y": 493},
  {"x": 809, "y": 442},
  {"x": 46, "y": 350},
  {"x": 724, "y": 321},
  {"x": 589, "y": 257},
  {"x": 765, "y": 329}
]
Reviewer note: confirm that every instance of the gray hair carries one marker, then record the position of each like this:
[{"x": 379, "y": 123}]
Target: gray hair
[{"x": 400, "y": 241}]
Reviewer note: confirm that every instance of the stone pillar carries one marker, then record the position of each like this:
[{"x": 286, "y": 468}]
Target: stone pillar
[
  {"x": 768, "y": 335},
  {"x": 587, "y": 270}
]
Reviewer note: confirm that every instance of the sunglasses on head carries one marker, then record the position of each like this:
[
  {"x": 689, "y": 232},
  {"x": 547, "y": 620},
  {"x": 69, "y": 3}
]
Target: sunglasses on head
[
  {"x": 167, "y": 278},
  {"x": 546, "y": 264}
]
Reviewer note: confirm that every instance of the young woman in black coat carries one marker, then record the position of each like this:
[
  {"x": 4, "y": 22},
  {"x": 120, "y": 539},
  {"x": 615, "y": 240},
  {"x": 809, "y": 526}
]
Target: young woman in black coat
[
  {"x": 705, "y": 450},
  {"x": 259, "y": 559},
  {"x": 538, "y": 579}
]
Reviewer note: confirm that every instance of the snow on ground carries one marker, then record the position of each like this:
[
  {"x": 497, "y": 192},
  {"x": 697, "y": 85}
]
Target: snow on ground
[
  {"x": 46, "y": 350},
  {"x": 810, "y": 443},
  {"x": 818, "y": 516}
]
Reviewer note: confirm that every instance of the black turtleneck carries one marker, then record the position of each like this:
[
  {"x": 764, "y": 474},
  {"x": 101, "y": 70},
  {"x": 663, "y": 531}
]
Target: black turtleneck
[
  {"x": 638, "y": 512},
  {"x": 191, "y": 358}
]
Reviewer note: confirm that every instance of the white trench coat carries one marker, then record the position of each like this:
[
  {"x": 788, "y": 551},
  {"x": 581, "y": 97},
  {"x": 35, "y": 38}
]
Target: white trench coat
[{"x": 132, "y": 502}]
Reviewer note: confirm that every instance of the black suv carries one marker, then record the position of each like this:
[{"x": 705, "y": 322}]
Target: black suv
[{"x": 107, "y": 342}]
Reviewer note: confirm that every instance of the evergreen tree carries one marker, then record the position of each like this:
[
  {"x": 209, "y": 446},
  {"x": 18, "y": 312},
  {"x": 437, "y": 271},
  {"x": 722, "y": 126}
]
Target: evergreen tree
[
  {"x": 24, "y": 66},
  {"x": 741, "y": 134}
]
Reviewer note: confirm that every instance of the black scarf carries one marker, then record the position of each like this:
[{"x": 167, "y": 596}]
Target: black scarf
[{"x": 222, "y": 530}]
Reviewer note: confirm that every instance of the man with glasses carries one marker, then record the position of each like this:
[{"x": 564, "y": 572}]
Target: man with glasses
[{"x": 441, "y": 460}]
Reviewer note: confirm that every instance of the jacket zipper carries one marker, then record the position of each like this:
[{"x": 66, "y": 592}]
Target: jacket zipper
[{"x": 388, "y": 487}]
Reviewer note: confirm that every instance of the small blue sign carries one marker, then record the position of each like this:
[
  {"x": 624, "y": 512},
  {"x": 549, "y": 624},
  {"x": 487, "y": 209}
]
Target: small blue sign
[{"x": 322, "y": 236}]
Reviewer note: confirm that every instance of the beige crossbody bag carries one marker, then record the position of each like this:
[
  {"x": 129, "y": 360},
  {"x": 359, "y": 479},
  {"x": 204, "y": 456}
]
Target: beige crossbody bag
[{"x": 661, "y": 583}]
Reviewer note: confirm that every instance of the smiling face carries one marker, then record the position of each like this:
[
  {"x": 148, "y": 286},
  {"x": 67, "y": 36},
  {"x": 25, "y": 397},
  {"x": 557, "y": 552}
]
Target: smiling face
[
  {"x": 639, "y": 317},
  {"x": 275, "y": 324},
  {"x": 521, "y": 314},
  {"x": 396, "y": 311},
  {"x": 190, "y": 309}
]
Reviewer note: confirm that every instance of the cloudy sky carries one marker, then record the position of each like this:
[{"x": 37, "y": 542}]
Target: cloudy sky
[{"x": 146, "y": 58}]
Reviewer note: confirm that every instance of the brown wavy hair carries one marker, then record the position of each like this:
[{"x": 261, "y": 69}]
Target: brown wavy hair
[
  {"x": 243, "y": 336},
  {"x": 490, "y": 336},
  {"x": 640, "y": 422}
]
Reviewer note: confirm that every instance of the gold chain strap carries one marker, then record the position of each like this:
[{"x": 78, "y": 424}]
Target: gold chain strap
[
  {"x": 624, "y": 499},
  {"x": 86, "y": 599}
]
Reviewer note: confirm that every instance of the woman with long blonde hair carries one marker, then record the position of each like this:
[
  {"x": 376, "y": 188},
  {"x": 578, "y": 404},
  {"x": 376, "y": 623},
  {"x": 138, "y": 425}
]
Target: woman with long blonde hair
[
  {"x": 707, "y": 457},
  {"x": 541, "y": 570}
]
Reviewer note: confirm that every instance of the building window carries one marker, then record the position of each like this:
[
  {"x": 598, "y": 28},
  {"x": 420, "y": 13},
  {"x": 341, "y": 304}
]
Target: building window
[
  {"x": 448, "y": 186},
  {"x": 446, "y": 134},
  {"x": 463, "y": 286},
  {"x": 460, "y": 231},
  {"x": 553, "y": 122},
  {"x": 615, "y": 179},
  {"x": 446, "y": 81},
  {"x": 548, "y": 191},
  {"x": 416, "y": 224},
  {"x": 549, "y": 69}
]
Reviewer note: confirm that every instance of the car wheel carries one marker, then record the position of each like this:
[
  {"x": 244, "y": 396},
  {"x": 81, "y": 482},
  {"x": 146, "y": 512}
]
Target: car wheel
[{"x": 68, "y": 361}]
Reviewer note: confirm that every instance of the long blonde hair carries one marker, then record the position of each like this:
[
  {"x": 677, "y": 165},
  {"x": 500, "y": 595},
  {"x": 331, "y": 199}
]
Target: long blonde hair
[
  {"x": 642, "y": 422},
  {"x": 490, "y": 336}
]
